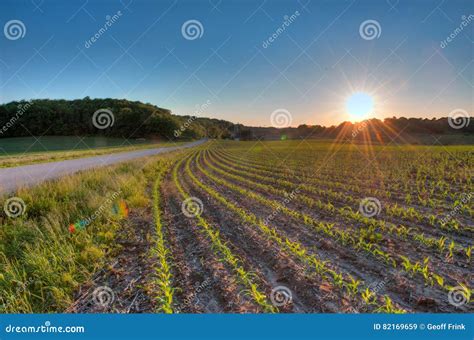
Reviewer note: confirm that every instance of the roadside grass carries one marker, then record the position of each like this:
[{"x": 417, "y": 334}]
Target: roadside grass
[
  {"x": 53, "y": 156},
  {"x": 19, "y": 145},
  {"x": 42, "y": 263}
]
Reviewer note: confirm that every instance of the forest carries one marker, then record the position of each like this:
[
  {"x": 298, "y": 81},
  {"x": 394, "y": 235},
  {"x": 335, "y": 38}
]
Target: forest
[{"x": 134, "y": 119}]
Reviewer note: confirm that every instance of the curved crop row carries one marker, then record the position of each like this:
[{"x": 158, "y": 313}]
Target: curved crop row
[
  {"x": 344, "y": 238},
  {"x": 439, "y": 244},
  {"x": 294, "y": 248},
  {"x": 163, "y": 277},
  {"x": 435, "y": 197},
  {"x": 321, "y": 187},
  {"x": 225, "y": 252}
]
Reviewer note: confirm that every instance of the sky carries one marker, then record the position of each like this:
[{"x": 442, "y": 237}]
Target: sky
[{"x": 244, "y": 60}]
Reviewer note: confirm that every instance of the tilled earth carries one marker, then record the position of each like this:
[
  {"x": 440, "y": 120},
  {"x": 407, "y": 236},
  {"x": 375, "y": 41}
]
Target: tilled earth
[{"x": 204, "y": 282}]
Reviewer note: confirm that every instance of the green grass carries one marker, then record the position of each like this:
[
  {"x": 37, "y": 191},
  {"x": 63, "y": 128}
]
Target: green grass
[
  {"x": 27, "y": 150},
  {"x": 20, "y": 145},
  {"x": 41, "y": 263}
]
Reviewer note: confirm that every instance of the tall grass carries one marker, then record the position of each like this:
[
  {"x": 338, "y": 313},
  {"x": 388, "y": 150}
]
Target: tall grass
[{"x": 42, "y": 264}]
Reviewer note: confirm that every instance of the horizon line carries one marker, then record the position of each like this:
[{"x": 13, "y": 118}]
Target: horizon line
[{"x": 236, "y": 123}]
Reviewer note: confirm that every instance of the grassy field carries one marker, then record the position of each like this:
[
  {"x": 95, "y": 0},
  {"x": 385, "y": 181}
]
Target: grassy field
[
  {"x": 29, "y": 150},
  {"x": 284, "y": 226}
]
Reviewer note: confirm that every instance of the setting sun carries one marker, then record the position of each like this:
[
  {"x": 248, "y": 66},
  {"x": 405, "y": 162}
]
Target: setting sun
[{"x": 359, "y": 106}]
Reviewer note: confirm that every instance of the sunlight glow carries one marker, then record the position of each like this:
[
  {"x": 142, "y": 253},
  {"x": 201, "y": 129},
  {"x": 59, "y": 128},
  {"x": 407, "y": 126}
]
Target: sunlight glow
[{"x": 359, "y": 106}]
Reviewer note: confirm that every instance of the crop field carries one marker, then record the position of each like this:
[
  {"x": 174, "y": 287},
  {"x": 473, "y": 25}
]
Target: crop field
[
  {"x": 310, "y": 227},
  {"x": 252, "y": 227}
]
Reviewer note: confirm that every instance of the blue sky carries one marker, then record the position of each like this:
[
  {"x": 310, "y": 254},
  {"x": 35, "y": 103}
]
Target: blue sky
[{"x": 310, "y": 68}]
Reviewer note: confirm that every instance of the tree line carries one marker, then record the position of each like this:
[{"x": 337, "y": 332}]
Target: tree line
[
  {"x": 134, "y": 119},
  {"x": 129, "y": 119}
]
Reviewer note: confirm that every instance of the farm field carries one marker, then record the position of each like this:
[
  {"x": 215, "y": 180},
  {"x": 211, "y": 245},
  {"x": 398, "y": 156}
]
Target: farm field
[
  {"x": 264, "y": 227},
  {"x": 29, "y": 150},
  {"x": 316, "y": 227}
]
